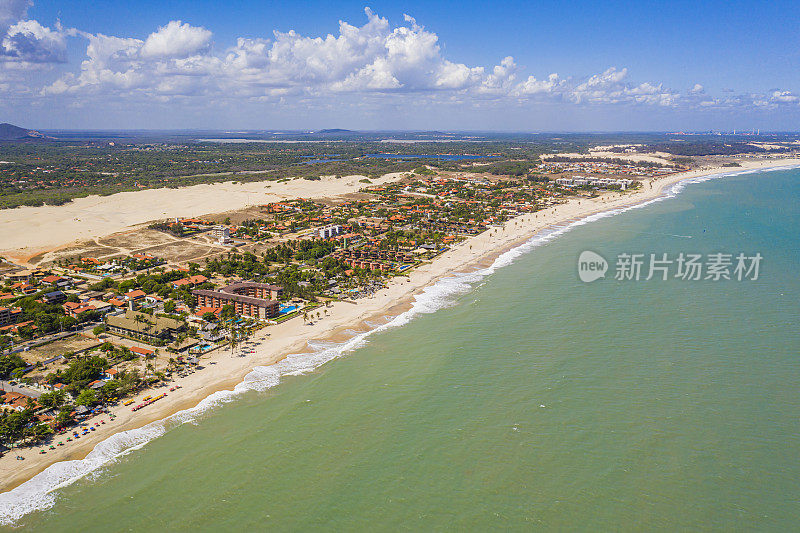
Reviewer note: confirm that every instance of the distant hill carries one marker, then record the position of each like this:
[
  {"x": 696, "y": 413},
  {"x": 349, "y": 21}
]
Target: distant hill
[
  {"x": 335, "y": 130},
  {"x": 9, "y": 132}
]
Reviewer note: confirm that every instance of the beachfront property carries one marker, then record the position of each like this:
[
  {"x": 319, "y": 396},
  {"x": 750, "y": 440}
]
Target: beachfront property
[
  {"x": 257, "y": 300},
  {"x": 608, "y": 167},
  {"x": 584, "y": 181},
  {"x": 143, "y": 326}
]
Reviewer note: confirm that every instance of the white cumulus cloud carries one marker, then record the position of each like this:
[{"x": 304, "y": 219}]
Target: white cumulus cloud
[
  {"x": 376, "y": 59},
  {"x": 176, "y": 39}
]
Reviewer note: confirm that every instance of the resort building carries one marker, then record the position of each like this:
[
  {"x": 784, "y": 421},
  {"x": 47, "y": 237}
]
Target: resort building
[
  {"x": 330, "y": 231},
  {"x": 257, "y": 300},
  {"x": 222, "y": 234},
  {"x": 580, "y": 181},
  {"x": 9, "y": 316},
  {"x": 143, "y": 326}
]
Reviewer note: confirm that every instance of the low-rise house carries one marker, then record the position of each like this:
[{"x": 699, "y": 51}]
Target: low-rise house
[
  {"x": 201, "y": 311},
  {"x": 14, "y": 401},
  {"x": 100, "y": 305},
  {"x": 74, "y": 309},
  {"x": 135, "y": 295},
  {"x": 24, "y": 287},
  {"x": 144, "y": 352},
  {"x": 55, "y": 297},
  {"x": 57, "y": 281},
  {"x": 10, "y": 315},
  {"x": 20, "y": 275},
  {"x": 191, "y": 280},
  {"x": 116, "y": 302},
  {"x": 143, "y": 326}
]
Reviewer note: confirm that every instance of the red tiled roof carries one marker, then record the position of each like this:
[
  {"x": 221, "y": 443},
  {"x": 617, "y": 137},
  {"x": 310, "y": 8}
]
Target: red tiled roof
[
  {"x": 135, "y": 294},
  {"x": 203, "y": 310}
]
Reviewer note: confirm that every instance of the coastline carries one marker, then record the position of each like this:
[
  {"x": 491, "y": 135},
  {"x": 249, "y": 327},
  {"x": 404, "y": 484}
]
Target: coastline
[{"x": 287, "y": 344}]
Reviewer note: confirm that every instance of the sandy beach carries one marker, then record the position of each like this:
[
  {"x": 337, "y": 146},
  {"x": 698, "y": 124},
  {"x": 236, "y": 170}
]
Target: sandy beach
[{"x": 221, "y": 370}]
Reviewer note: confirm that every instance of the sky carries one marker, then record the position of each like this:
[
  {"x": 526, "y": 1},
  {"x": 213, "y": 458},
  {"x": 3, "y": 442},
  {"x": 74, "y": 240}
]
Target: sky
[{"x": 487, "y": 66}]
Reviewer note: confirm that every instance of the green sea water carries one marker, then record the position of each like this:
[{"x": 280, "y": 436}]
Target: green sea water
[{"x": 531, "y": 401}]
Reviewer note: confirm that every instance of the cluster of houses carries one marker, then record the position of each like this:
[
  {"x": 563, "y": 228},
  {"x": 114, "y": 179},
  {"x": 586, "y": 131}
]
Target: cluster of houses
[
  {"x": 96, "y": 269},
  {"x": 371, "y": 257},
  {"x": 604, "y": 167}
]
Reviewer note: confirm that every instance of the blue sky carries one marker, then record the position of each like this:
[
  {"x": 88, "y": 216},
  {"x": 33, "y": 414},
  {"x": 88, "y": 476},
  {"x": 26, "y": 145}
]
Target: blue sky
[{"x": 513, "y": 66}]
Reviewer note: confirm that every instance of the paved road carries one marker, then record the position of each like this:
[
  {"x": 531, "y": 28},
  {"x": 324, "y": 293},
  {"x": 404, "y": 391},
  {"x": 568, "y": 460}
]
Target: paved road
[
  {"x": 7, "y": 387},
  {"x": 52, "y": 337}
]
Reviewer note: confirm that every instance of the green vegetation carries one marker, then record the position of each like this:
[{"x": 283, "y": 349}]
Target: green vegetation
[
  {"x": 57, "y": 172},
  {"x": 21, "y": 425},
  {"x": 10, "y": 363},
  {"x": 48, "y": 318}
]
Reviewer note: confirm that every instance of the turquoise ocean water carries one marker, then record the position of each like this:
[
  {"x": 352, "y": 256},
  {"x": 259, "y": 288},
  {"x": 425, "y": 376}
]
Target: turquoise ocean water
[{"x": 528, "y": 399}]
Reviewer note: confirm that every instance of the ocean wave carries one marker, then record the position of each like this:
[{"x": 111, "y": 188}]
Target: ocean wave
[{"x": 41, "y": 492}]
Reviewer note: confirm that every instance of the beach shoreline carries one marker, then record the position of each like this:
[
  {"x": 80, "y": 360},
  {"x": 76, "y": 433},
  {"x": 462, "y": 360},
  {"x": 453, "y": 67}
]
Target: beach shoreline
[{"x": 223, "y": 372}]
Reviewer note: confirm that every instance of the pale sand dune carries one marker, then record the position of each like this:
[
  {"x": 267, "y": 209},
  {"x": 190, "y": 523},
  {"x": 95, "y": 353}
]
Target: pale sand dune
[
  {"x": 293, "y": 336},
  {"x": 655, "y": 157},
  {"x": 27, "y": 231}
]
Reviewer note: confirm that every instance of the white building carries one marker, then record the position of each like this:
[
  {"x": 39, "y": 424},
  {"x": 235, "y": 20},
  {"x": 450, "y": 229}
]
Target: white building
[
  {"x": 329, "y": 231},
  {"x": 222, "y": 234}
]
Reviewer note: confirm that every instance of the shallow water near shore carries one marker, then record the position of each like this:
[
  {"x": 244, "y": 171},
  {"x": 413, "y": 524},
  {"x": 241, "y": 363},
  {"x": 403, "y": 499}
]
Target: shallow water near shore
[{"x": 531, "y": 399}]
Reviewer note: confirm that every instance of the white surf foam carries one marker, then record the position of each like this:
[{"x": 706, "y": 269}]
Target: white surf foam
[{"x": 41, "y": 491}]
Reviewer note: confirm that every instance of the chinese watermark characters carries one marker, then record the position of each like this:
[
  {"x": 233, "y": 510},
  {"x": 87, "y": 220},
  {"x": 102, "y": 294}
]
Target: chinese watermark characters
[{"x": 663, "y": 266}]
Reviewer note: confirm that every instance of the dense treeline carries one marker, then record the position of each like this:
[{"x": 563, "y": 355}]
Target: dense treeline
[{"x": 37, "y": 173}]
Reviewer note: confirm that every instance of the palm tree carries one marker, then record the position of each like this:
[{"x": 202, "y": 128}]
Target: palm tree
[
  {"x": 138, "y": 319},
  {"x": 148, "y": 325},
  {"x": 234, "y": 339}
]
